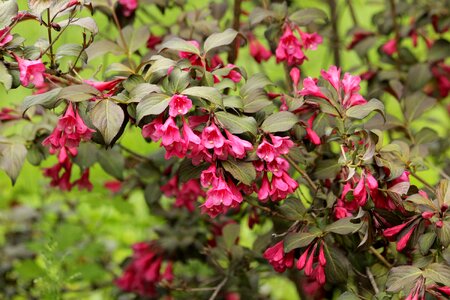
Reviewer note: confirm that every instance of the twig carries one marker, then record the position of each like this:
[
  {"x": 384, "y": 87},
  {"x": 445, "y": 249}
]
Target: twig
[
  {"x": 233, "y": 54},
  {"x": 218, "y": 288},
  {"x": 122, "y": 37},
  {"x": 140, "y": 157},
  {"x": 49, "y": 33},
  {"x": 302, "y": 172},
  {"x": 269, "y": 211},
  {"x": 352, "y": 12},
  {"x": 380, "y": 257},
  {"x": 426, "y": 184},
  {"x": 334, "y": 38},
  {"x": 372, "y": 280}
]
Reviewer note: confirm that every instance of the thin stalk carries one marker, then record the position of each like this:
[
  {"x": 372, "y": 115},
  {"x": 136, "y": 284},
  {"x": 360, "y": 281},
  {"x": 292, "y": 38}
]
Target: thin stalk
[
  {"x": 218, "y": 288},
  {"x": 380, "y": 257},
  {"x": 334, "y": 38},
  {"x": 233, "y": 54},
  {"x": 302, "y": 172},
  {"x": 122, "y": 38},
  {"x": 49, "y": 34}
]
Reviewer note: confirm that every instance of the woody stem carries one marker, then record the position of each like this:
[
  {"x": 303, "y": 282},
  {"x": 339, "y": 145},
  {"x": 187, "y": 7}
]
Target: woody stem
[{"x": 302, "y": 172}]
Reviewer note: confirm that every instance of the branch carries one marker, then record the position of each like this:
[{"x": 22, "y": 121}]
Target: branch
[
  {"x": 380, "y": 257},
  {"x": 218, "y": 288},
  {"x": 334, "y": 38},
  {"x": 233, "y": 54},
  {"x": 302, "y": 172}
]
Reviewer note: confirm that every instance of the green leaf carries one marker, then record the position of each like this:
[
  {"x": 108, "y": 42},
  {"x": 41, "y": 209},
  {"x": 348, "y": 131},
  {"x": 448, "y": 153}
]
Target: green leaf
[
  {"x": 86, "y": 23},
  {"x": 402, "y": 278},
  {"x": 361, "y": 111},
  {"x": 343, "y": 226},
  {"x": 237, "y": 124},
  {"x": 135, "y": 38},
  {"x": 100, "y": 48},
  {"x": 256, "y": 82},
  {"x": 306, "y": 16},
  {"x": 426, "y": 241},
  {"x": 48, "y": 100},
  {"x": 8, "y": 10},
  {"x": 416, "y": 104},
  {"x": 337, "y": 266},
  {"x": 327, "y": 168},
  {"x": 279, "y": 122},
  {"x": 87, "y": 155},
  {"x": 216, "y": 40},
  {"x": 444, "y": 233},
  {"x": 12, "y": 157},
  {"x": 142, "y": 90},
  {"x": 259, "y": 14},
  {"x": 439, "y": 273},
  {"x": 78, "y": 93},
  {"x": 255, "y": 101},
  {"x": 348, "y": 296},
  {"x": 205, "y": 92},
  {"x": 243, "y": 171},
  {"x": 293, "y": 208},
  {"x": 230, "y": 234},
  {"x": 439, "y": 50},
  {"x": 418, "y": 76},
  {"x": 187, "y": 170},
  {"x": 153, "y": 104},
  {"x": 5, "y": 78},
  {"x": 112, "y": 162},
  {"x": 298, "y": 240},
  {"x": 37, "y": 7},
  {"x": 71, "y": 50},
  {"x": 107, "y": 117},
  {"x": 180, "y": 45}
]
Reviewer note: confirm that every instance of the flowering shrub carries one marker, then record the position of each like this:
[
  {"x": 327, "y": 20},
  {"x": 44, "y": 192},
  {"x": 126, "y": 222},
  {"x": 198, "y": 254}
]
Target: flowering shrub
[{"x": 325, "y": 175}]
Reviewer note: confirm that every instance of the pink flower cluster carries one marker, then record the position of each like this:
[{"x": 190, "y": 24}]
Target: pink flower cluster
[
  {"x": 128, "y": 6},
  {"x": 221, "y": 195},
  {"x": 144, "y": 272},
  {"x": 290, "y": 48},
  {"x": 278, "y": 259},
  {"x": 64, "y": 141},
  {"x": 347, "y": 88},
  {"x": 271, "y": 164},
  {"x": 31, "y": 71},
  {"x": 186, "y": 194}
]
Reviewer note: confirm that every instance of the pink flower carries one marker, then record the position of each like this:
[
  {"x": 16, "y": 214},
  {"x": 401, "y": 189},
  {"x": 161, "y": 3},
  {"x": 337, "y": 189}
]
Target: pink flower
[
  {"x": 390, "y": 47},
  {"x": 188, "y": 194},
  {"x": 8, "y": 114},
  {"x": 310, "y": 40},
  {"x": 62, "y": 181},
  {"x": 333, "y": 76},
  {"x": 266, "y": 151},
  {"x": 83, "y": 182},
  {"x": 222, "y": 196},
  {"x": 193, "y": 58},
  {"x": 310, "y": 88},
  {"x": 289, "y": 49},
  {"x": 129, "y": 6},
  {"x": 153, "y": 41},
  {"x": 153, "y": 129},
  {"x": 282, "y": 186},
  {"x": 282, "y": 144},
  {"x": 278, "y": 259},
  {"x": 212, "y": 137},
  {"x": 264, "y": 190},
  {"x": 104, "y": 85},
  {"x": 234, "y": 75},
  {"x": 143, "y": 273},
  {"x": 358, "y": 37},
  {"x": 310, "y": 133},
  {"x": 179, "y": 105},
  {"x": 390, "y": 232},
  {"x": 278, "y": 166},
  {"x": 31, "y": 71},
  {"x": 301, "y": 262},
  {"x": 170, "y": 132},
  {"x": 190, "y": 138},
  {"x": 113, "y": 185},
  {"x": 322, "y": 259},
  {"x": 258, "y": 51},
  {"x": 237, "y": 146},
  {"x": 5, "y": 36},
  {"x": 310, "y": 261},
  {"x": 403, "y": 241},
  {"x": 208, "y": 176},
  {"x": 351, "y": 85},
  {"x": 295, "y": 76}
]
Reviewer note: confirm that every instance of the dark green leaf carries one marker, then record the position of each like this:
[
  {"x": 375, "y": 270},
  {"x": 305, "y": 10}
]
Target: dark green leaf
[
  {"x": 402, "y": 278},
  {"x": 327, "y": 168},
  {"x": 216, "y": 40},
  {"x": 230, "y": 234},
  {"x": 426, "y": 241},
  {"x": 279, "y": 122},
  {"x": 306, "y": 16},
  {"x": 439, "y": 50},
  {"x": 439, "y": 273},
  {"x": 180, "y": 45},
  {"x": 363, "y": 110},
  {"x": 293, "y": 208},
  {"x": 87, "y": 155},
  {"x": 153, "y": 104},
  {"x": 343, "y": 226},
  {"x": 298, "y": 240},
  {"x": 237, "y": 124},
  {"x": 416, "y": 104},
  {"x": 48, "y": 100},
  {"x": 112, "y": 162},
  {"x": 12, "y": 157},
  {"x": 418, "y": 76},
  {"x": 8, "y": 10},
  {"x": 336, "y": 269},
  {"x": 208, "y": 93},
  {"x": 187, "y": 170},
  {"x": 72, "y": 50},
  {"x": 243, "y": 171},
  {"x": 78, "y": 93},
  {"x": 5, "y": 78},
  {"x": 107, "y": 117}
]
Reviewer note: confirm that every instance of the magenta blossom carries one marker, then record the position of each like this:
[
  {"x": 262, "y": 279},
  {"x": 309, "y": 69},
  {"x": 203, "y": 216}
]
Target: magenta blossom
[
  {"x": 179, "y": 105},
  {"x": 310, "y": 40},
  {"x": 5, "y": 36},
  {"x": 129, "y": 6},
  {"x": 222, "y": 196},
  {"x": 266, "y": 151},
  {"x": 390, "y": 47},
  {"x": 290, "y": 49},
  {"x": 258, "y": 51},
  {"x": 31, "y": 71},
  {"x": 278, "y": 259}
]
